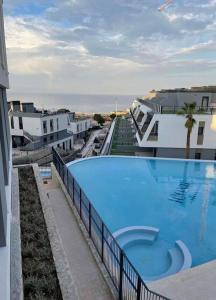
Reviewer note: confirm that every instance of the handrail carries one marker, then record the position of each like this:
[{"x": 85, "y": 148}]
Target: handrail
[
  {"x": 198, "y": 109},
  {"x": 136, "y": 125},
  {"x": 105, "y": 139},
  {"x": 123, "y": 274}
]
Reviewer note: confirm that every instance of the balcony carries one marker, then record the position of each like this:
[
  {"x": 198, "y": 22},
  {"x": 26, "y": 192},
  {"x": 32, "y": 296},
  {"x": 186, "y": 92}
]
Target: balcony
[
  {"x": 45, "y": 140},
  {"x": 206, "y": 110}
]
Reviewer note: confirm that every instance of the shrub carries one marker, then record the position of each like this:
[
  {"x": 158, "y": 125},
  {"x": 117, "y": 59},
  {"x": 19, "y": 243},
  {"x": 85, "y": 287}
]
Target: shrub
[{"x": 39, "y": 274}]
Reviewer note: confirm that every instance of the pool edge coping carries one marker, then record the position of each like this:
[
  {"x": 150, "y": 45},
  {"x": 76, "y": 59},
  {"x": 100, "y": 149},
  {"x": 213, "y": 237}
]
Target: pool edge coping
[{"x": 139, "y": 157}]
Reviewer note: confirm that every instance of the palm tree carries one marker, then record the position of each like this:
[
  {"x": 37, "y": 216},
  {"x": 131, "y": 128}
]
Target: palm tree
[{"x": 188, "y": 110}]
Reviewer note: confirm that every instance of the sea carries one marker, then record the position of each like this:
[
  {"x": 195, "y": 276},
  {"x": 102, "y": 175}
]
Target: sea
[{"x": 76, "y": 102}]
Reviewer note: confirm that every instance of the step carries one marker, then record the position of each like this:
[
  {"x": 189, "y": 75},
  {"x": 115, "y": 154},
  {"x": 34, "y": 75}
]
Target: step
[
  {"x": 128, "y": 235},
  {"x": 187, "y": 258},
  {"x": 180, "y": 258}
]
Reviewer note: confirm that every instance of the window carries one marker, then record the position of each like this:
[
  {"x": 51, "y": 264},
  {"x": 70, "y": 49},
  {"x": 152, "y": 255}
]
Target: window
[
  {"x": 197, "y": 155},
  {"x": 12, "y": 122},
  {"x": 77, "y": 127},
  {"x": 205, "y": 101},
  {"x": 45, "y": 127},
  {"x": 153, "y": 136},
  {"x": 45, "y": 140},
  {"x": 57, "y": 124},
  {"x": 51, "y": 137},
  {"x": 200, "y": 136},
  {"x": 140, "y": 117},
  {"x": 200, "y": 130},
  {"x": 20, "y": 123},
  {"x": 51, "y": 125}
]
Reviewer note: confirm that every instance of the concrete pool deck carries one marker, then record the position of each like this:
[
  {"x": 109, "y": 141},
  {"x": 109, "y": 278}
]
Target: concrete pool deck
[
  {"x": 85, "y": 273},
  {"x": 194, "y": 284}
]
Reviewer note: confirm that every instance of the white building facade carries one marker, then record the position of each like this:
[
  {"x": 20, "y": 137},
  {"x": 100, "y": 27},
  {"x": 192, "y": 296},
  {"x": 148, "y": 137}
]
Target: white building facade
[
  {"x": 160, "y": 130},
  {"x": 79, "y": 126},
  {"x": 5, "y": 171},
  {"x": 32, "y": 130}
]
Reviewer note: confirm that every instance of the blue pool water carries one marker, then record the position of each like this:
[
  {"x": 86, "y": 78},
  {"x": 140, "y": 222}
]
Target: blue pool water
[
  {"x": 176, "y": 196},
  {"x": 45, "y": 173}
]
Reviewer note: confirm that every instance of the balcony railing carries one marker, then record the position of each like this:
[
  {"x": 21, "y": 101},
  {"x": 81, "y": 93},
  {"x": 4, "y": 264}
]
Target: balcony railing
[
  {"x": 45, "y": 140},
  {"x": 209, "y": 110},
  {"x": 136, "y": 125},
  {"x": 126, "y": 280}
]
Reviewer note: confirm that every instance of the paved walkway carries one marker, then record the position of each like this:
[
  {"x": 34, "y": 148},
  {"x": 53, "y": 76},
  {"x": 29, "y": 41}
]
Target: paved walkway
[
  {"x": 193, "y": 284},
  {"x": 85, "y": 272}
]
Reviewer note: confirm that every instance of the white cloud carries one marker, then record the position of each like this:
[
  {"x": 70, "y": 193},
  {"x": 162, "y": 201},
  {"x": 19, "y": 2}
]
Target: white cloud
[{"x": 116, "y": 43}]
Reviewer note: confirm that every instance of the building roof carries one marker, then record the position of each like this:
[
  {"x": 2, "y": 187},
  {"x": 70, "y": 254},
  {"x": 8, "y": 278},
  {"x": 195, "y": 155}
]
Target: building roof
[
  {"x": 201, "y": 89},
  {"x": 35, "y": 115}
]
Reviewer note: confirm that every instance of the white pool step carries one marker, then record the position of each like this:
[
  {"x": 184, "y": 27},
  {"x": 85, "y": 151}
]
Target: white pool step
[
  {"x": 133, "y": 234},
  {"x": 180, "y": 258}
]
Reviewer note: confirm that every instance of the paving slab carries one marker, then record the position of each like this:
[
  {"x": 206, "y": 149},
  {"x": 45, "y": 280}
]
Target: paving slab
[
  {"x": 86, "y": 274},
  {"x": 193, "y": 284}
]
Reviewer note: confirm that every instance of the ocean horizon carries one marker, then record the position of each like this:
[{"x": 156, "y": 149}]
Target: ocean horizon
[{"x": 76, "y": 102}]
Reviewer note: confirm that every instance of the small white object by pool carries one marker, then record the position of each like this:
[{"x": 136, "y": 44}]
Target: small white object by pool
[
  {"x": 45, "y": 173},
  {"x": 179, "y": 256}
]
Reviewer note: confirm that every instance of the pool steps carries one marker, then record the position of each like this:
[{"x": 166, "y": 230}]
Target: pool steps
[
  {"x": 180, "y": 259},
  {"x": 128, "y": 235},
  {"x": 180, "y": 256}
]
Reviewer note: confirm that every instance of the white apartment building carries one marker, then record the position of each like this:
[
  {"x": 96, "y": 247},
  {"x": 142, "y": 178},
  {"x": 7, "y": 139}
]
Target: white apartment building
[
  {"x": 79, "y": 126},
  {"x": 161, "y": 132},
  {"x": 5, "y": 171},
  {"x": 32, "y": 130}
]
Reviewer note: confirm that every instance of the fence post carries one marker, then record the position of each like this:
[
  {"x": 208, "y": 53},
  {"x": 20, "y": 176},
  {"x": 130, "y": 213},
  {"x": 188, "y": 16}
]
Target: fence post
[
  {"x": 121, "y": 275},
  {"x": 73, "y": 192},
  {"x": 139, "y": 288},
  {"x": 102, "y": 243},
  {"x": 67, "y": 178},
  {"x": 90, "y": 211},
  {"x": 80, "y": 203}
]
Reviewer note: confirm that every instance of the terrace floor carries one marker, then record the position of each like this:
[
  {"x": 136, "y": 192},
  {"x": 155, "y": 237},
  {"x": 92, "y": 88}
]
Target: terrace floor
[
  {"x": 85, "y": 272},
  {"x": 193, "y": 284}
]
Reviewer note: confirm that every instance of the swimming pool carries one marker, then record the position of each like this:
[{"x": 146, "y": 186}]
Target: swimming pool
[{"x": 176, "y": 197}]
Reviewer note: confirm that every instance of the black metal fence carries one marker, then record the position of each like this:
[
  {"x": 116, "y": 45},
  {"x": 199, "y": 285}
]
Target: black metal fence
[{"x": 126, "y": 280}]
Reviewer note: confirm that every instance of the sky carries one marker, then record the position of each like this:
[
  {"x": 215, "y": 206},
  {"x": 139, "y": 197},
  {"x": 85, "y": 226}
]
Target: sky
[{"x": 109, "y": 46}]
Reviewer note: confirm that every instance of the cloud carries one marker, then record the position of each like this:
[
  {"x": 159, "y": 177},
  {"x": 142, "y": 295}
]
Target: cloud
[{"x": 98, "y": 45}]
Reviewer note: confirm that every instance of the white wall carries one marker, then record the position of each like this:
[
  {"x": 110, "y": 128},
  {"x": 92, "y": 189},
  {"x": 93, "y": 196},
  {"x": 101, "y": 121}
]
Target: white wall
[
  {"x": 83, "y": 125},
  {"x": 172, "y": 132},
  {"x": 63, "y": 121},
  {"x": 5, "y": 251},
  {"x": 66, "y": 141},
  {"x": 34, "y": 125}
]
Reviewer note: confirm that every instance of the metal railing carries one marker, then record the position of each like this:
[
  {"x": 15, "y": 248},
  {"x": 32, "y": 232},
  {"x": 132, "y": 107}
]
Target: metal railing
[
  {"x": 210, "y": 110},
  {"x": 126, "y": 280},
  {"x": 136, "y": 125},
  {"x": 45, "y": 140}
]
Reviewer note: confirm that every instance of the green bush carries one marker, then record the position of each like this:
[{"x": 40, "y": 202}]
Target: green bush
[{"x": 39, "y": 274}]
